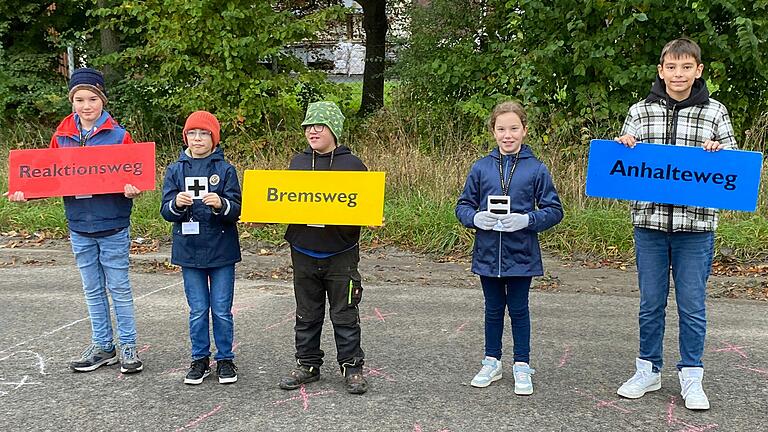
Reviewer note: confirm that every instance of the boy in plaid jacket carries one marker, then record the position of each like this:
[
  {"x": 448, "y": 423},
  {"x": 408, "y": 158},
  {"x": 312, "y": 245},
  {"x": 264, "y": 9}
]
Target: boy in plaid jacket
[{"x": 678, "y": 111}]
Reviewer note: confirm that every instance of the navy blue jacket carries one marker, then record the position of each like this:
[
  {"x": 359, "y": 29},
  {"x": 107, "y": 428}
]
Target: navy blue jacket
[
  {"x": 217, "y": 244},
  {"x": 504, "y": 254},
  {"x": 99, "y": 212}
]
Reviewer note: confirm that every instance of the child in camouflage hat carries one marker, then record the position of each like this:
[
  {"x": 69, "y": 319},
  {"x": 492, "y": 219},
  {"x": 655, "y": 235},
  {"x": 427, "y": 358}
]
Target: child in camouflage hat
[{"x": 325, "y": 263}]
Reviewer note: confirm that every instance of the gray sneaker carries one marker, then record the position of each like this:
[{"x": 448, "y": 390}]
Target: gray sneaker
[
  {"x": 93, "y": 358},
  {"x": 129, "y": 360}
]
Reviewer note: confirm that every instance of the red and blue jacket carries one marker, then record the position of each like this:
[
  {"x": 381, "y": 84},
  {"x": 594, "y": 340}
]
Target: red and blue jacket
[{"x": 98, "y": 212}]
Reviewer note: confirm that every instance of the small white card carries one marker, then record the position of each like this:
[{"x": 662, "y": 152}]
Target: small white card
[
  {"x": 498, "y": 204},
  {"x": 316, "y": 225},
  {"x": 190, "y": 228},
  {"x": 83, "y": 196},
  {"x": 196, "y": 186}
]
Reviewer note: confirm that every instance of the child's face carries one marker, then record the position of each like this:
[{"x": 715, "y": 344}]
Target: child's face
[
  {"x": 509, "y": 133},
  {"x": 320, "y": 138},
  {"x": 678, "y": 74},
  {"x": 87, "y": 105},
  {"x": 200, "y": 143}
]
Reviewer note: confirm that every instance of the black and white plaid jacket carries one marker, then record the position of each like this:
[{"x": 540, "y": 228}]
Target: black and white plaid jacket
[{"x": 661, "y": 120}]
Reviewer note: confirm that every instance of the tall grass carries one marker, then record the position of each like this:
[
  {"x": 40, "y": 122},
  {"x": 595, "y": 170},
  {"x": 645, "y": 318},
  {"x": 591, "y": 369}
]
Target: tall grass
[{"x": 426, "y": 155}]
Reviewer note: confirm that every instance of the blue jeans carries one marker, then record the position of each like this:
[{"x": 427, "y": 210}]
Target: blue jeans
[
  {"x": 689, "y": 254},
  {"x": 103, "y": 264},
  {"x": 210, "y": 289},
  {"x": 507, "y": 293}
]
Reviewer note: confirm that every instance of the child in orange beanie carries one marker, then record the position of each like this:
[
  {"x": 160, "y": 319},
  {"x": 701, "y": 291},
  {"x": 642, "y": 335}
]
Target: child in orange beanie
[{"x": 201, "y": 196}]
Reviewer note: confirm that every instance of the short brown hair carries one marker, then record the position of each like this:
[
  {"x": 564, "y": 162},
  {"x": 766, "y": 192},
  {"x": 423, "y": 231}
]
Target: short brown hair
[
  {"x": 507, "y": 107},
  {"x": 679, "y": 48}
]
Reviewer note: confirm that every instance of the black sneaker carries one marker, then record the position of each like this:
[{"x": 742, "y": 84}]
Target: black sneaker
[
  {"x": 198, "y": 370},
  {"x": 227, "y": 371},
  {"x": 92, "y": 358},
  {"x": 355, "y": 381},
  {"x": 301, "y": 375}
]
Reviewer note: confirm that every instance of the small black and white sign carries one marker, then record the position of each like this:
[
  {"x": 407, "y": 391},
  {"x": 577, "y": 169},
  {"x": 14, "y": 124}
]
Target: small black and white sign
[{"x": 196, "y": 186}]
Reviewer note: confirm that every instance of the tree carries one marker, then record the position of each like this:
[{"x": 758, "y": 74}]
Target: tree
[{"x": 375, "y": 25}]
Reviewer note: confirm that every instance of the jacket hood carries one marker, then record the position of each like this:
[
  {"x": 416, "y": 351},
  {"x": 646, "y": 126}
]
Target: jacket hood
[
  {"x": 339, "y": 150},
  {"x": 525, "y": 152},
  {"x": 68, "y": 126},
  {"x": 699, "y": 93}
]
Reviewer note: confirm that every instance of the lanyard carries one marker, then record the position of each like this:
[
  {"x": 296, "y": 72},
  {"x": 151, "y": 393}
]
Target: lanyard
[
  {"x": 330, "y": 165},
  {"x": 505, "y": 187}
]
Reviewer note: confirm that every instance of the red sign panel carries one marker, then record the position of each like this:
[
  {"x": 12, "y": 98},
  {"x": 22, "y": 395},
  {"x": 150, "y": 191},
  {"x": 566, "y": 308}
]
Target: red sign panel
[{"x": 89, "y": 170}]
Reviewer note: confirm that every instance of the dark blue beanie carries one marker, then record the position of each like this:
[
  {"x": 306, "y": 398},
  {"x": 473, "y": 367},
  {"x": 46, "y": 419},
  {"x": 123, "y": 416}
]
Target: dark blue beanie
[{"x": 89, "y": 79}]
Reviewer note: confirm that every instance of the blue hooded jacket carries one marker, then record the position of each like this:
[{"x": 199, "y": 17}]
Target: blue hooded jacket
[
  {"x": 99, "y": 212},
  {"x": 505, "y": 254},
  {"x": 218, "y": 243}
]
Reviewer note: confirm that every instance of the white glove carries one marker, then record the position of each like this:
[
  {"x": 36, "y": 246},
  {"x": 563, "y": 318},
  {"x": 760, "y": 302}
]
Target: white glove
[
  {"x": 514, "y": 222},
  {"x": 485, "y": 220}
]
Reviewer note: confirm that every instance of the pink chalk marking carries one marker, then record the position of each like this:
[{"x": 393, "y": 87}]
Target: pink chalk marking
[
  {"x": 461, "y": 327},
  {"x": 599, "y": 403},
  {"x": 416, "y": 427},
  {"x": 565, "y": 357},
  {"x": 760, "y": 371},
  {"x": 368, "y": 371},
  {"x": 377, "y": 315},
  {"x": 236, "y": 309},
  {"x": 173, "y": 370},
  {"x": 197, "y": 421},
  {"x": 288, "y": 318},
  {"x": 732, "y": 348},
  {"x": 672, "y": 420},
  {"x": 235, "y": 345},
  {"x": 143, "y": 349},
  {"x": 304, "y": 397}
]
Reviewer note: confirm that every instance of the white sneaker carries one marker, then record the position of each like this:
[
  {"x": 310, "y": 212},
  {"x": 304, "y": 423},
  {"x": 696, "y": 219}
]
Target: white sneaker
[
  {"x": 644, "y": 380},
  {"x": 523, "y": 384},
  {"x": 490, "y": 372},
  {"x": 691, "y": 390}
]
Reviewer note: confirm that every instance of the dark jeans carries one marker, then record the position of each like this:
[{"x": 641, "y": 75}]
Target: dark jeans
[
  {"x": 507, "y": 293},
  {"x": 313, "y": 279}
]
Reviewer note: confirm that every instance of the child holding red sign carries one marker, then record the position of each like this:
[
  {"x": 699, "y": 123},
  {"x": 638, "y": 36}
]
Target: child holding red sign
[
  {"x": 201, "y": 196},
  {"x": 99, "y": 230}
]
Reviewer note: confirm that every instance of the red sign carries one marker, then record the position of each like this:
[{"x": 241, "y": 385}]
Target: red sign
[{"x": 89, "y": 170}]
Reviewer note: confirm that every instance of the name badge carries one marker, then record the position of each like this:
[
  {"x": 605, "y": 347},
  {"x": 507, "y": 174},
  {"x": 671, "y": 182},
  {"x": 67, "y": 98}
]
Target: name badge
[{"x": 190, "y": 228}]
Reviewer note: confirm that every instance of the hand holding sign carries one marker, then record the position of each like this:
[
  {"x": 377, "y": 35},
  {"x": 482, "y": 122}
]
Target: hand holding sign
[
  {"x": 15, "y": 197},
  {"x": 183, "y": 199},
  {"x": 212, "y": 199}
]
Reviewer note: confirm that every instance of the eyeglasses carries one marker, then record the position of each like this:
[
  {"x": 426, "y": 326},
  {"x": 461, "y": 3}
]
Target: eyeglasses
[
  {"x": 201, "y": 133},
  {"x": 316, "y": 128}
]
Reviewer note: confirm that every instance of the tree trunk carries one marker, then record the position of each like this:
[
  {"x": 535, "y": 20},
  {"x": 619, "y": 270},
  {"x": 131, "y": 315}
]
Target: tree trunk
[
  {"x": 375, "y": 26},
  {"x": 109, "y": 44}
]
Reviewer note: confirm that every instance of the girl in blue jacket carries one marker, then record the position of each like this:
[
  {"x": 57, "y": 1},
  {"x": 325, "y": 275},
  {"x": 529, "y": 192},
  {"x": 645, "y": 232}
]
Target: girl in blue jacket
[
  {"x": 201, "y": 196},
  {"x": 506, "y": 253}
]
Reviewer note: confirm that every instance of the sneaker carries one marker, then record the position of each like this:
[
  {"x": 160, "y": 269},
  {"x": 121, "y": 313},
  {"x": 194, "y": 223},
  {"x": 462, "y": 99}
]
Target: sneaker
[
  {"x": 129, "y": 360},
  {"x": 93, "y": 358},
  {"x": 691, "y": 390},
  {"x": 300, "y": 375},
  {"x": 643, "y": 381},
  {"x": 227, "y": 371},
  {"x": 490, "y": 372},
  {"x": 354, "y": 380},
  {"x": 522, "y": 373},
  {"x": 198, "y": 370}
]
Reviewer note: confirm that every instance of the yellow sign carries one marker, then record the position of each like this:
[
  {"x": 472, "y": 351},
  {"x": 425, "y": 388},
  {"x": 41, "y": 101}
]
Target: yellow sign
[{"x": 313, "y": 197}]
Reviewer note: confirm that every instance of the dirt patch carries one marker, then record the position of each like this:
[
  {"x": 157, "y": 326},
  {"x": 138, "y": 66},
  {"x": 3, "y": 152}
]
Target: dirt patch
[{"x": 389, "y": 265}]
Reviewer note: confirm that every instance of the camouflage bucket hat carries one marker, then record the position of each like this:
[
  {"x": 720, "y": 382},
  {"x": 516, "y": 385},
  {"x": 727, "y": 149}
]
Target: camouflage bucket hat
[{"x": 325, "y": 113}]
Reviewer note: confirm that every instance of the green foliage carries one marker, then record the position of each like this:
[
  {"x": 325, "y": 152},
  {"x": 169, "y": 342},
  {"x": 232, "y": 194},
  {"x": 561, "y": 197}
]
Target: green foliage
[
  {"x": 584, "y": 59},
  {"x": 227, "y": 57},
  {"x": 32, "y": 35}
]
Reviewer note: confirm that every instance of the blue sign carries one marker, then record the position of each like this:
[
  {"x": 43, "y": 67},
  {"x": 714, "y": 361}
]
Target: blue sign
[{"x": 725, "y": 179}]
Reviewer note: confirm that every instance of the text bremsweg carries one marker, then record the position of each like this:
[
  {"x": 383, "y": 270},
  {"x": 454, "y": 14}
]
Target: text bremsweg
[
  {"x": 273, "y": 194},
  {"x": 56, "y": 170},
  {"x": 673, "y": 173}
]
